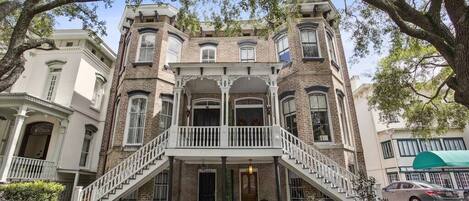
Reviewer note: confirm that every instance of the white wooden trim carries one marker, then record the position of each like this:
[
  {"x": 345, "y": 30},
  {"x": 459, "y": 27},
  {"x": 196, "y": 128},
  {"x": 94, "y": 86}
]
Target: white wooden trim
[
  {"x": 248, "y": 46},
  {"x": 208, "y": 47},
  {"x": 241, "y": 170}
]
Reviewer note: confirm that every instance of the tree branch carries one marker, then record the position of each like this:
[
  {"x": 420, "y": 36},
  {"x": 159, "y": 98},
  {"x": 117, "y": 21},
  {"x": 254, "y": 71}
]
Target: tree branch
[
  {"x": 7, "y": 7},
  {"x": 57, "y": 3}
]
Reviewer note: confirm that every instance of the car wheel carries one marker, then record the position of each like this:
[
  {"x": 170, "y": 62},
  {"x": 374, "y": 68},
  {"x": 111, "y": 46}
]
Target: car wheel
[{"x": 414, "y": 199}]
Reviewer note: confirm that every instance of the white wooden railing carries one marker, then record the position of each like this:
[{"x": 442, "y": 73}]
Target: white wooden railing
[
  {"x": 224, "y": 137},
  {"x": 31, "y": 169},
  {"x": 126, "y": 169},
  {"x": 198, "y": 136},
  {"x": 317, "y": 162},
  {"x": 250, "y": 136}
]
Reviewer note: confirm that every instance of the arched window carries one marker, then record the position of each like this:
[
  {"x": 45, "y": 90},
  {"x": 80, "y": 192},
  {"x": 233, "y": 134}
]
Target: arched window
[
  {"x": 173, "y": 54},
  {"x": 289, "y": 115},
  {"x": 98, "y": 93},
  {"x": 146, "y": 48},
  {"x": 86, "y": 147},
  {"x": 135, "y": 123},
  {"x": 331, "y": 45},
  {"x": 247, "y": 53},
  {"x": 208, "y": 54},
  {"x": 165, "y": 114},
  {"x": 309, "y": 43},
  {"x": 320, "y": 117},
  {"x": 283, "y": 50},
  {"x": 52, "y": 81}
]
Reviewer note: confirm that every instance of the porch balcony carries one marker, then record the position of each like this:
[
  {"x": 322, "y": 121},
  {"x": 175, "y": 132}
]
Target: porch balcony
[
  {"x": 29, "y": 169},
  {"x": 226, "y": 109}
]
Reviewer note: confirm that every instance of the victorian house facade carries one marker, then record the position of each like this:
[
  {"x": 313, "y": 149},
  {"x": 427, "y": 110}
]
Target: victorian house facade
[
  {"x": 205, "y": 117},
  {"x": 52, "y": 118}
]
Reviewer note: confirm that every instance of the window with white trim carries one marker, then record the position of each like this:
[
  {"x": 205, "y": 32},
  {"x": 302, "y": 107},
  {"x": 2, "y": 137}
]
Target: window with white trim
[
  {"x": 115, "y": 120},
  {"x": 331, "y": 44},
  {"x": 165, "y": 114},
  {"x": 135, "y": 124},
  {"x": 161, "y": 190},
  {"x": 146, "y": 49},
  {"x": 173, "y": 54},
  {"x": 343, "y": 120},
  {"x": 283, "y": 50},
  {"x": 430, "y": 145},
  {"x": 208, "y": 54},
  {"x": 85, "y": 149},
  {"x": 408, "y": 147},
  {"x": 454, "y": 144},
  {"x": 52, "y": 83},
  {"x": 392, "y": 177},
  {"x": 289, "y": 115},
  {"x": 247, "y": 54},
  {"x": 387, "y": 149},
  {"x": 309, "y": 43},
  {"x": 98, "y": 93},
  {"x": 320, "y": 117}
]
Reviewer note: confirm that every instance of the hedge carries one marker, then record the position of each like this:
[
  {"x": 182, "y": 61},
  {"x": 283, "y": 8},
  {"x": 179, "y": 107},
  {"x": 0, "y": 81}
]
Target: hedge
[{"x": 31, "y": 191}]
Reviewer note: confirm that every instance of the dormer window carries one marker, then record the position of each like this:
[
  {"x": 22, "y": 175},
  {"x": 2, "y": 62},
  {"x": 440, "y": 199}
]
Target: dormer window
[
  {"x": 146, "y": 48},
  {"x": 208, "y": 54}
]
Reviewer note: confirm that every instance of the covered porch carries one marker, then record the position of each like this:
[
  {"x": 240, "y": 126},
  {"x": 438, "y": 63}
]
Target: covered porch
[
  {"x": 32, "y": 131},
  {"x": 232, "y": 108}
]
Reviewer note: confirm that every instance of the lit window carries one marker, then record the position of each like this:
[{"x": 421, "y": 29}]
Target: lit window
[
  {"x": 85, "y": 149},
  {"x": 309, "y": 43},
  {"x": 289, "y": 115},
  {"x": 135, "y": 124},
  {"x": 166, "y": 114},
  {"x": 247, "y": 54},
  {"x": 52, "y": 83},
  {"x": 330, "y": 43},
  {"x": 146, "y": 48},
  {"x": 387, "y": 149},
  {"x": 98, "y": 92},
  {"x": 454, "y": 144},
  {"x": 208, "y": 54},
  {"x": 320, "y": 117},
  {"x": 173, "y": 54},
  {"x": 283, "y": 50}
]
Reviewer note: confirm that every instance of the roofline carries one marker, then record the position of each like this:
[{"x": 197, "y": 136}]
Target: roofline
[{"x": 84, "y": 33}]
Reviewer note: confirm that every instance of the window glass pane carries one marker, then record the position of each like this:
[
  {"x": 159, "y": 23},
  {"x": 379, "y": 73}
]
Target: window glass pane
[
  {"x": 320, "y": 118},
  {"x": 147, "y": 47},
  {"x": 454, "y": 144},
  {"x": 136, "y": 120},
  {"x": 330, "y": 43},
  {"x": 309, "y": 43},
  {"x": 408, "y": 147}
]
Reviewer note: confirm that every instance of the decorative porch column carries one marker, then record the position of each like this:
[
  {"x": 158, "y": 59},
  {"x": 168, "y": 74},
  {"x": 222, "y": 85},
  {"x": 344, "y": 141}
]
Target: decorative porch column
[
  {"x": 224, "y": 85},
  {"x": 273, "y": 88},
  {"x": 62, "y": 130},
  {"x": 12, "y": 143},
  {"x": 178, "y": 86}
]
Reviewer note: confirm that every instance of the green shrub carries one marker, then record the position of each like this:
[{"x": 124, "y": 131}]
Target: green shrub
[{"x": 31, "y": 191}]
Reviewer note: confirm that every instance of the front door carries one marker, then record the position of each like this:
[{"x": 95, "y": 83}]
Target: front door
[
  {"x": 248, "y": 186},
  {"x": 207, "y": 186},
  {"x": 36, "y": 140},
  {"x": 206, "y": 117}
]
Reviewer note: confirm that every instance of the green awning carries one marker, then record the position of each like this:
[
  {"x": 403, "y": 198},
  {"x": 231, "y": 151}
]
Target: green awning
[{"x": 442, "y": 159}]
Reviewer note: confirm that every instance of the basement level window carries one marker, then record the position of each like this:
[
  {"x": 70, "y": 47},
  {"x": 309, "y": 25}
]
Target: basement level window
[
  {"x": 69, "y": 44},
  {"x": 208, "y": 35},
  {"x": 246, "y": 34},
  {"x": 306, "y": 15}
]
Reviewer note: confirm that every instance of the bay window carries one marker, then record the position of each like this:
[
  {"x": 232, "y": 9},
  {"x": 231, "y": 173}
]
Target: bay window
[
  {"x": 146, "y": 48},
  {"x": 98, "y": 92},
  {"x": 320, "y": 117},
  {"x": 331, "y": 44},
  {"x": 173, "y": 54},
  {"x": 283, "y": 50},
  {"x": 309, "y": 43},
  {"x": 289, "y": 115},
  {"x": 135, "y": 124},
  {"x": 85, "y": 149},
  {"x": 165, "y": 114}
]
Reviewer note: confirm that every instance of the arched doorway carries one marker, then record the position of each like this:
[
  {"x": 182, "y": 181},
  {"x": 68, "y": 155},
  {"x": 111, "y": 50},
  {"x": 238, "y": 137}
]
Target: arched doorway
[{"x": 36, "y": 140}]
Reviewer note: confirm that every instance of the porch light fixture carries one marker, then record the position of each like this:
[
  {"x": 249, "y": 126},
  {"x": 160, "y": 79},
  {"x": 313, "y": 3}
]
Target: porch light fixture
[{"x": 250, "y": 168}]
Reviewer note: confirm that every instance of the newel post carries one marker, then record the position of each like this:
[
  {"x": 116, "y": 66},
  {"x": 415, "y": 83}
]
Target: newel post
[
  {"x": 77, "y": 192},
  {"x": 276, "y": 136}
]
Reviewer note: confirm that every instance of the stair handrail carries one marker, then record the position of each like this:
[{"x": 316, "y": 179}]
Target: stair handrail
[
  {"x": 125, "y": 169},
  {"x": 320, "y": 157}
]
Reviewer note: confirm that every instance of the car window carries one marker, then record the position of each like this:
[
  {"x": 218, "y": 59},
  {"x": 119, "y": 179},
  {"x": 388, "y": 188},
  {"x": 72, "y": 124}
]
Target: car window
[
  {"x": 406, "y": 185},
  {"x": 393, "y": 186}
]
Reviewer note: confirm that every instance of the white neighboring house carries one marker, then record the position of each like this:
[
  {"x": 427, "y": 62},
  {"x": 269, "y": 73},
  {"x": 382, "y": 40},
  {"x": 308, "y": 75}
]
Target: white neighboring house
[
  {"x": 52, "y": 118},
  {"x": 391, "y": 148}
]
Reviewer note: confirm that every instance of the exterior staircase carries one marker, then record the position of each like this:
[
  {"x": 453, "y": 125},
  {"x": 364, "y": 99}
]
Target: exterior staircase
[
  {"x": 316, "y": 168},
  {"x": 307, "y": 162},
  {"x": 128, "y": 175}
]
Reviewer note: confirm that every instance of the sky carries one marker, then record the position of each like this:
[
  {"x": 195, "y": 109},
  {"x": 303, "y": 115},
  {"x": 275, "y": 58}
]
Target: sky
[{"x": 363, "y": 67}]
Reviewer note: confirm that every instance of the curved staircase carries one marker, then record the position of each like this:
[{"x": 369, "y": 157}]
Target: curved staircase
[{"x": 307, "y": 162}]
